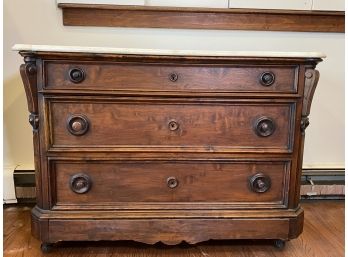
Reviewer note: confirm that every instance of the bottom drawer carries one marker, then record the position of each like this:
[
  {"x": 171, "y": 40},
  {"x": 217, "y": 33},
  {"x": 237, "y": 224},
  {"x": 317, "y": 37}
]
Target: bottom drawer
[{"x": 126, "y": 183}]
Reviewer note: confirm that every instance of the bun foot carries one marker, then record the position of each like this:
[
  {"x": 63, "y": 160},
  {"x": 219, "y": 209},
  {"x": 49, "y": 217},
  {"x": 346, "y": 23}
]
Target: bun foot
[
  {"x": 46, "y": 247},
  {"x": 280, "y": 244}
]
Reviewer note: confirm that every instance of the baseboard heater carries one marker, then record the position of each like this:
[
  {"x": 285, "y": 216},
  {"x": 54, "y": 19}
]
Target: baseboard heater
[
  {"x": 24, "y": 182},
  {"x": 322, "y": 184},
  {"x": 316, "y": 184}
]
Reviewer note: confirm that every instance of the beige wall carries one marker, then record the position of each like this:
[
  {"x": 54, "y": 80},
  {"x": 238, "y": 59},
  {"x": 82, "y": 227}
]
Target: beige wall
[
  {"x": 336, "y": 5},
  {"x": 40, "y": 22}
]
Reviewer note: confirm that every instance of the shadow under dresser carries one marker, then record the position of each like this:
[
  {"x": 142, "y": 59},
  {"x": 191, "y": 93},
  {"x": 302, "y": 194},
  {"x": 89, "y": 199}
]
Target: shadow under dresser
[{"x": 171, "y": 146}]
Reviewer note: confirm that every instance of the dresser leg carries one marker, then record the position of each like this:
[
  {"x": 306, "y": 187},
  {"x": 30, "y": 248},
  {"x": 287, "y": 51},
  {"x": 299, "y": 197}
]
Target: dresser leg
[
  {"x": 46, "y": 247},
  {"x": 280, "y": 244}
]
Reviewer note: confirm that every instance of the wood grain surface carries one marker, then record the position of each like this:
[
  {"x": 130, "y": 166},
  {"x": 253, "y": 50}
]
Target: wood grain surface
[
  {"x": 323, "y": 236},
  {"x": 134, "y": 124},
  {"x": 113, "y": 76},
  {"x": 147, "y": 182},
  {"x": 201, "y": 18},
  {"x": 79, "y": 124}
]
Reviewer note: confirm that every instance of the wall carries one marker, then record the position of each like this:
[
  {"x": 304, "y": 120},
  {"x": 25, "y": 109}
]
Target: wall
[
  {"x": 40, "y": 22},
  {"x": 335, "y": 5}
]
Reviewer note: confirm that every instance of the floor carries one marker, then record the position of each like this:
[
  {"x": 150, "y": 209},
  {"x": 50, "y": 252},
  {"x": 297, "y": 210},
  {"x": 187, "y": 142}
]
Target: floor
[{"x": 323, "y": 235}]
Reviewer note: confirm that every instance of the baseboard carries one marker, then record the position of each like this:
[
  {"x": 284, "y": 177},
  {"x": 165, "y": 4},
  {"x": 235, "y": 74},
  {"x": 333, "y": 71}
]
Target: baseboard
[
  {"x": 24, "y": 181},
  {"x": 9, "y": 194},
  {"x": 323, "y": 184}
]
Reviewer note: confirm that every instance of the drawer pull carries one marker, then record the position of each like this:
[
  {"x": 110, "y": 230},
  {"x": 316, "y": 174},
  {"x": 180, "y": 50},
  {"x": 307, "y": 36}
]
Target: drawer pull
[
  {"x": 172, "y": 182},
  {"x": 80, "y": 183},
  {"x": 76, "y": 75},
  {"x": 260, "y": 183},
  {"x": 173, "y": 77},
  {"x": 267, "y": 78},
  {"x": 264, "y": 126},
  {"x": 173, "y": 125},
  {"x": 77, "y": 125}
]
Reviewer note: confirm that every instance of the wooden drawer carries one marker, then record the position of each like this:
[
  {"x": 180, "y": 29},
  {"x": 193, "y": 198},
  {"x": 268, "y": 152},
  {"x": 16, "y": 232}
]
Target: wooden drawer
[
  {"x": 165, "y": 126},
  {"x": 152, "y": 77},
  {"x": 120, "y": 183}
]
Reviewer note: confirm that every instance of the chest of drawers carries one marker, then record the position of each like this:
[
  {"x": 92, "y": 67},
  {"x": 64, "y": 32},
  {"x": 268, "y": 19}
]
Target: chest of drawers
[{"x": 167, "y": 146}]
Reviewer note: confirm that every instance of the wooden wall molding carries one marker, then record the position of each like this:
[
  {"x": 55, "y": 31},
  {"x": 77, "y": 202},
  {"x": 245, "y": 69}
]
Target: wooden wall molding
[{"x": 202, "y": 18}]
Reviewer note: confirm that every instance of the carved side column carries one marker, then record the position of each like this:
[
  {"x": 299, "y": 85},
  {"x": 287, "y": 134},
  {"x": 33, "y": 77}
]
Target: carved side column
[
  {"x": 311, "y": 81},
  {"x": 28, "y": 72}
]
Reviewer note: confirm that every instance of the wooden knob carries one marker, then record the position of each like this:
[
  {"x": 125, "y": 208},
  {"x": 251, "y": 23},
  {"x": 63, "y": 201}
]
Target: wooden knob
[
  {"x": 264, "y": 126},
  {"x": 173, "y": 77},
  {"x": 260, "y": 183},
  {"x": 76, "y": 75},
  {"x": 267, "y": 78},
  {"x": 80, "y": 183},
  {"x": 77, "y": 124},
  {"x": 173, "y": 125},
  {"x": 172, "y": 182}
]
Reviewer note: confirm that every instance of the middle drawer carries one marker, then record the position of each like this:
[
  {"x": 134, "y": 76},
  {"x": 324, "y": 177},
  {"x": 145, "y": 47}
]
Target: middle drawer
[{"x": 171, "y": 126}]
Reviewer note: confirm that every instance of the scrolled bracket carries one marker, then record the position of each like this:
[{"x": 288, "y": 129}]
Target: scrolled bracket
[
  {"x": 28, "y": 72},
  {"x": 311, "y": 82}
]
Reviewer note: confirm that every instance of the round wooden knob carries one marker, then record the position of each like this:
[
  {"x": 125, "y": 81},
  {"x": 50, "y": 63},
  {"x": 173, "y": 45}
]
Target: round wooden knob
[
  {"x": 264, "y": 126},
  {"x": 80, "y": 183},
  {"x": 77, "y": 124},
  {"x": 76, "y": 75},
  {"x": 173, "y": 125},
  {"x": 173, "y": 77},
  {"x": 267, "y": 78},
  {"x": 172, "y": 182},
  {"x": 260, "y": 183}
]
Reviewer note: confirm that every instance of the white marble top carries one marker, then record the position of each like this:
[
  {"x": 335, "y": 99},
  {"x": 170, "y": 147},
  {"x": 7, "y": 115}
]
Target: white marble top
[{"x": 111, "y": 50}]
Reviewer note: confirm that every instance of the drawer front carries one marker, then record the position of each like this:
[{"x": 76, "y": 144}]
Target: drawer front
[
  {"x": 107, "y": 183},
  {"x": 124, "y": 77},
  {"x": 179, "y": 127}
]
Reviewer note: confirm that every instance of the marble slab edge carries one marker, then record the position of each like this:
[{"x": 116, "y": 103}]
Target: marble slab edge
[{"x": 139, "y": 51}]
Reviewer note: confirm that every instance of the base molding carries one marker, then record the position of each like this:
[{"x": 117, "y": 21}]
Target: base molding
[{"x": 50, "y": 227}]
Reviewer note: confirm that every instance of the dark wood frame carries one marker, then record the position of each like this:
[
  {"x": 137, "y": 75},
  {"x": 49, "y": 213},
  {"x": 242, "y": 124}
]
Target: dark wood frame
[{"x": 202, "y": 18}]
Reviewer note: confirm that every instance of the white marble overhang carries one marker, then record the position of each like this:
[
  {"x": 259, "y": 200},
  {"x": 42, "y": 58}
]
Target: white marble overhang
[{"x": 139, "y": 51}]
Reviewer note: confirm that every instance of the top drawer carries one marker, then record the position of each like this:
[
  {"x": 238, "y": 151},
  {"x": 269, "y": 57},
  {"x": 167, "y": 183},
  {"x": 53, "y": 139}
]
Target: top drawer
[{"x": 169, "y": 78}]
